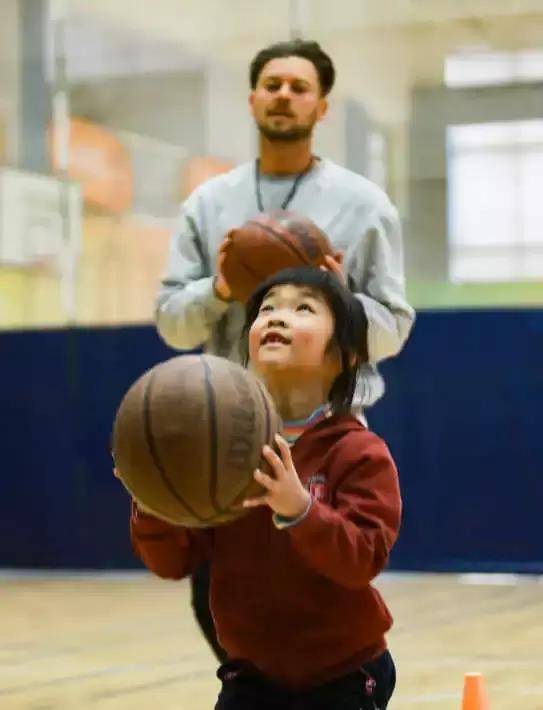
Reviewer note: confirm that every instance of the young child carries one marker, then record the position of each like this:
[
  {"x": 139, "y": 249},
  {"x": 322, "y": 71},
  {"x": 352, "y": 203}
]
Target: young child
[{"x": 291, "y": 590}]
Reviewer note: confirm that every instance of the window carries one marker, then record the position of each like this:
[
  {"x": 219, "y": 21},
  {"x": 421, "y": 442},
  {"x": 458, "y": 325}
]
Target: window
[
  {"x": 495, "y": 201},
  {"x": 479, "y": 68}
]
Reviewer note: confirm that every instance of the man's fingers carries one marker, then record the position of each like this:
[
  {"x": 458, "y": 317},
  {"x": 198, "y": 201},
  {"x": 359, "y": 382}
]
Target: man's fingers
[
  {"x": 332, "y": 263},
  {"x": 226, "y": 243},
  {"x": 335, "y": 267}
]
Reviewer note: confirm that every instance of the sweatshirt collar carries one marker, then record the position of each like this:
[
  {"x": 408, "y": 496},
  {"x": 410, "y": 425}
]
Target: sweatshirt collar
[{"x": 293, "y": 429}]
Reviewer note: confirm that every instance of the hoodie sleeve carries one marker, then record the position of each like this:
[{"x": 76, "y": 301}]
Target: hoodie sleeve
[
  {"x": 169, "y": 551},
  {"x": 350, "y": 541},
  {"x": 375, "y": 273},
  {"x": 187, "y": 309}
]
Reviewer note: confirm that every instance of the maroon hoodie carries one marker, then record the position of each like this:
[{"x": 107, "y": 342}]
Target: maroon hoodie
[{"x": 297, "y": 603}]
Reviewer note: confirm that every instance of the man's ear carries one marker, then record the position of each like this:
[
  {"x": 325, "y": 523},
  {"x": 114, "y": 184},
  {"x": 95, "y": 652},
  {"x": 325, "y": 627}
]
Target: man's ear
[{"x": 323, "y": 109}]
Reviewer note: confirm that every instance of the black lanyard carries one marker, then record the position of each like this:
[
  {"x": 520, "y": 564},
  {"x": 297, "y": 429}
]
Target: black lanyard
[{"x": 288, "y": 199}]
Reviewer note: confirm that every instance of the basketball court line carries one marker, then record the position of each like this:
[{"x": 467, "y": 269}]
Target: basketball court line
[
  {"x": 107, "y": 671},
  {"x": 475, "y": 579},
  {"x": 498, "y": 580},
  {"x": 89, "y": 621},
  {"x": 423, "y": 698},
  {"x": 180, "y": 677},
  {"x": 96, "y": 575}
]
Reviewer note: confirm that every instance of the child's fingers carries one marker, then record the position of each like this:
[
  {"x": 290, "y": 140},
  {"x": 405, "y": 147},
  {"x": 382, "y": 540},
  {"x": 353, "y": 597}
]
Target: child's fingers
[
  {"x": 265, "y": 481},
  {"x": 274, "y": 460},
  {"x": 284, "y": 448},
  {"x": 255, "y": 502}
]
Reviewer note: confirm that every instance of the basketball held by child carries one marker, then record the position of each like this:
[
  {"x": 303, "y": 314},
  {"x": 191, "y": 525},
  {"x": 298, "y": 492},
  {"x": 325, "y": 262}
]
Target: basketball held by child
[
  {"x": 269, "y": 243},
  {"x": 188, "y": 436}
]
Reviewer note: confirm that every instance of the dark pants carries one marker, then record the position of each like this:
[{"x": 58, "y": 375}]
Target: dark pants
[
  {"x": 200, "y": 604},
  {"x": 369, "y": 688}
]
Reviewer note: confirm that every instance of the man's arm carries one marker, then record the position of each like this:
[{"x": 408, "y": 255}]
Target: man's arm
[
  {"x": 187, "y": 306},
  {"x": 375, "y": 273}
]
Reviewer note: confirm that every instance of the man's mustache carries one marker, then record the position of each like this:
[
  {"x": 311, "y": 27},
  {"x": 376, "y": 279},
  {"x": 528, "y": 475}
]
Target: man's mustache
[{"x": 278, "y": 111}]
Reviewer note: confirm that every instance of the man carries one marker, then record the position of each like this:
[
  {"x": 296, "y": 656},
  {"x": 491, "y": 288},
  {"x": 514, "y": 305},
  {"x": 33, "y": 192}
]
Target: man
[{"x": 289, "y": 85}]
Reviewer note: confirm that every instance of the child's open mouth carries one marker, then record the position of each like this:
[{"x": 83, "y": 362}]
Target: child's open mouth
[{"x": 272, "y": 337}]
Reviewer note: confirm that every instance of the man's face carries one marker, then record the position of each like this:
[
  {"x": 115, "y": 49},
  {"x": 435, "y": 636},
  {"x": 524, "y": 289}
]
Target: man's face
[{"x": 287, "y": 101}]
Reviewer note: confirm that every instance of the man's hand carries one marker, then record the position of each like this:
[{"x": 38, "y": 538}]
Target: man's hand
[
  {"x": 334, "y": 265},
  {"x": 285, "y": 494},
  {"x": 220, "y": 285}
]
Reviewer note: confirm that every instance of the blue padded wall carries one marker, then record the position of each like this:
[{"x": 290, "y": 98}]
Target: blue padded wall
[{"x": 461, "y": 416}]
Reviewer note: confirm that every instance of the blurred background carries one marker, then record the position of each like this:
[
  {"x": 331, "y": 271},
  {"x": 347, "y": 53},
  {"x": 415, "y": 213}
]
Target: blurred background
[{"x": 112, "y": 111}]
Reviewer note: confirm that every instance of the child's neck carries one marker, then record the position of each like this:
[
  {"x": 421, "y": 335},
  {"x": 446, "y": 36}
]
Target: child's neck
[{"x": 296, "y": 403}]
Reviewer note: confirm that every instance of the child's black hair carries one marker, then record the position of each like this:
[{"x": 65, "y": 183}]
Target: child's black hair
[{"x": 350, "y": 325}]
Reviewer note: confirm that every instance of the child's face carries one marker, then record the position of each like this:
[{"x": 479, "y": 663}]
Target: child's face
[{"x": 291, "y": 333}]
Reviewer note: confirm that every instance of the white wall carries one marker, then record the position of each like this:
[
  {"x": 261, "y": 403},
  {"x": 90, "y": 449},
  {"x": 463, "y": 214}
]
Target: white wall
[
  {"x": 229, "y": 128},
  {"x": 9, "y": 76}
]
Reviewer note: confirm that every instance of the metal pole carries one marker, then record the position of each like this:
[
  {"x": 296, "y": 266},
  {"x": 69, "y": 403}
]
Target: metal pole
[
  {"x": 61, "y": 149},
  {"x": 299, "y": 12}
]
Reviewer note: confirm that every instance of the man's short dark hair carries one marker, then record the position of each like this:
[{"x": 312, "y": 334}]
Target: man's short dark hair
[{"x": 296, "y": 48}]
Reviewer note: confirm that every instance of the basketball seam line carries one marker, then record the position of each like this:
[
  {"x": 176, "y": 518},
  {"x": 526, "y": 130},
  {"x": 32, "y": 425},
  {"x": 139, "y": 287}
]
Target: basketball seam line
[
  {"x": 153, "y": 450},
  {"x": 284, "y": 241},
  {"x": 251, "y": 271},
  {"x": 212, "y": 416},
  {"x": 267, "y": 439}
]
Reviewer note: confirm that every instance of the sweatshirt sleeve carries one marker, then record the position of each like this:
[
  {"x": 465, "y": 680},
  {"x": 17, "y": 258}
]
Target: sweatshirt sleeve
[
  {"x": 186, "y": 307},
  {"x": 350, "y": 541},
  {"x": 375, "y": 273},
  {"x": 169, "y": 551}
]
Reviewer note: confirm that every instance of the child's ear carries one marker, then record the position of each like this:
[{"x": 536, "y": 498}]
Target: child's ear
[
  {"x": 354, "y": 359},
  {"x": 338, "y": 256}
]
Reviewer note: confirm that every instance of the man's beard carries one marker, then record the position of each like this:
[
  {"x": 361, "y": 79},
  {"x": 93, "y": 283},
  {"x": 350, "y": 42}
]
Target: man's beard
[{"x": 286, "y": 135}]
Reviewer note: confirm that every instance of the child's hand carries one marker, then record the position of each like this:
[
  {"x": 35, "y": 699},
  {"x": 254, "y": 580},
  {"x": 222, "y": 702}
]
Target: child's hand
[{"x": 285, "y": 494}]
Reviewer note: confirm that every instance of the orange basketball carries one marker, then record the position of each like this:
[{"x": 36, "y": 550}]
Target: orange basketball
[
  {"x": 269, "y": 243},
  {"x": 188, "y": 437}
]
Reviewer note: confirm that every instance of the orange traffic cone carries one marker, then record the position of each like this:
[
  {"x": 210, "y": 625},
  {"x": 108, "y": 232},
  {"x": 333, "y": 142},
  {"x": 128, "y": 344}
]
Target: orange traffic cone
[{"x": 475, "y": 697}]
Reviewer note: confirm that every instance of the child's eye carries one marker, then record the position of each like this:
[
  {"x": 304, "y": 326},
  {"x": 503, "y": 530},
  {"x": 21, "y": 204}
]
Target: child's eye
[
  {"x": 305, "y": 307},
  {"x": 268, "y": 307}
]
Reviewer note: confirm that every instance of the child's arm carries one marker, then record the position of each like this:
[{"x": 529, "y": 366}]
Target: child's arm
[
  {"x": 349, "y": 542},
  {"x": 167, "y": 550}
]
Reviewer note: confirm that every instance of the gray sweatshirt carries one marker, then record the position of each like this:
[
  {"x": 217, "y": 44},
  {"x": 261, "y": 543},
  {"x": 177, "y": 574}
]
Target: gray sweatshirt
[{"x": 358, "y": 219}]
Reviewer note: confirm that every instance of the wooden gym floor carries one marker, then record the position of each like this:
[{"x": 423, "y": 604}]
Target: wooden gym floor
[{"x": 128, "y": 642}]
